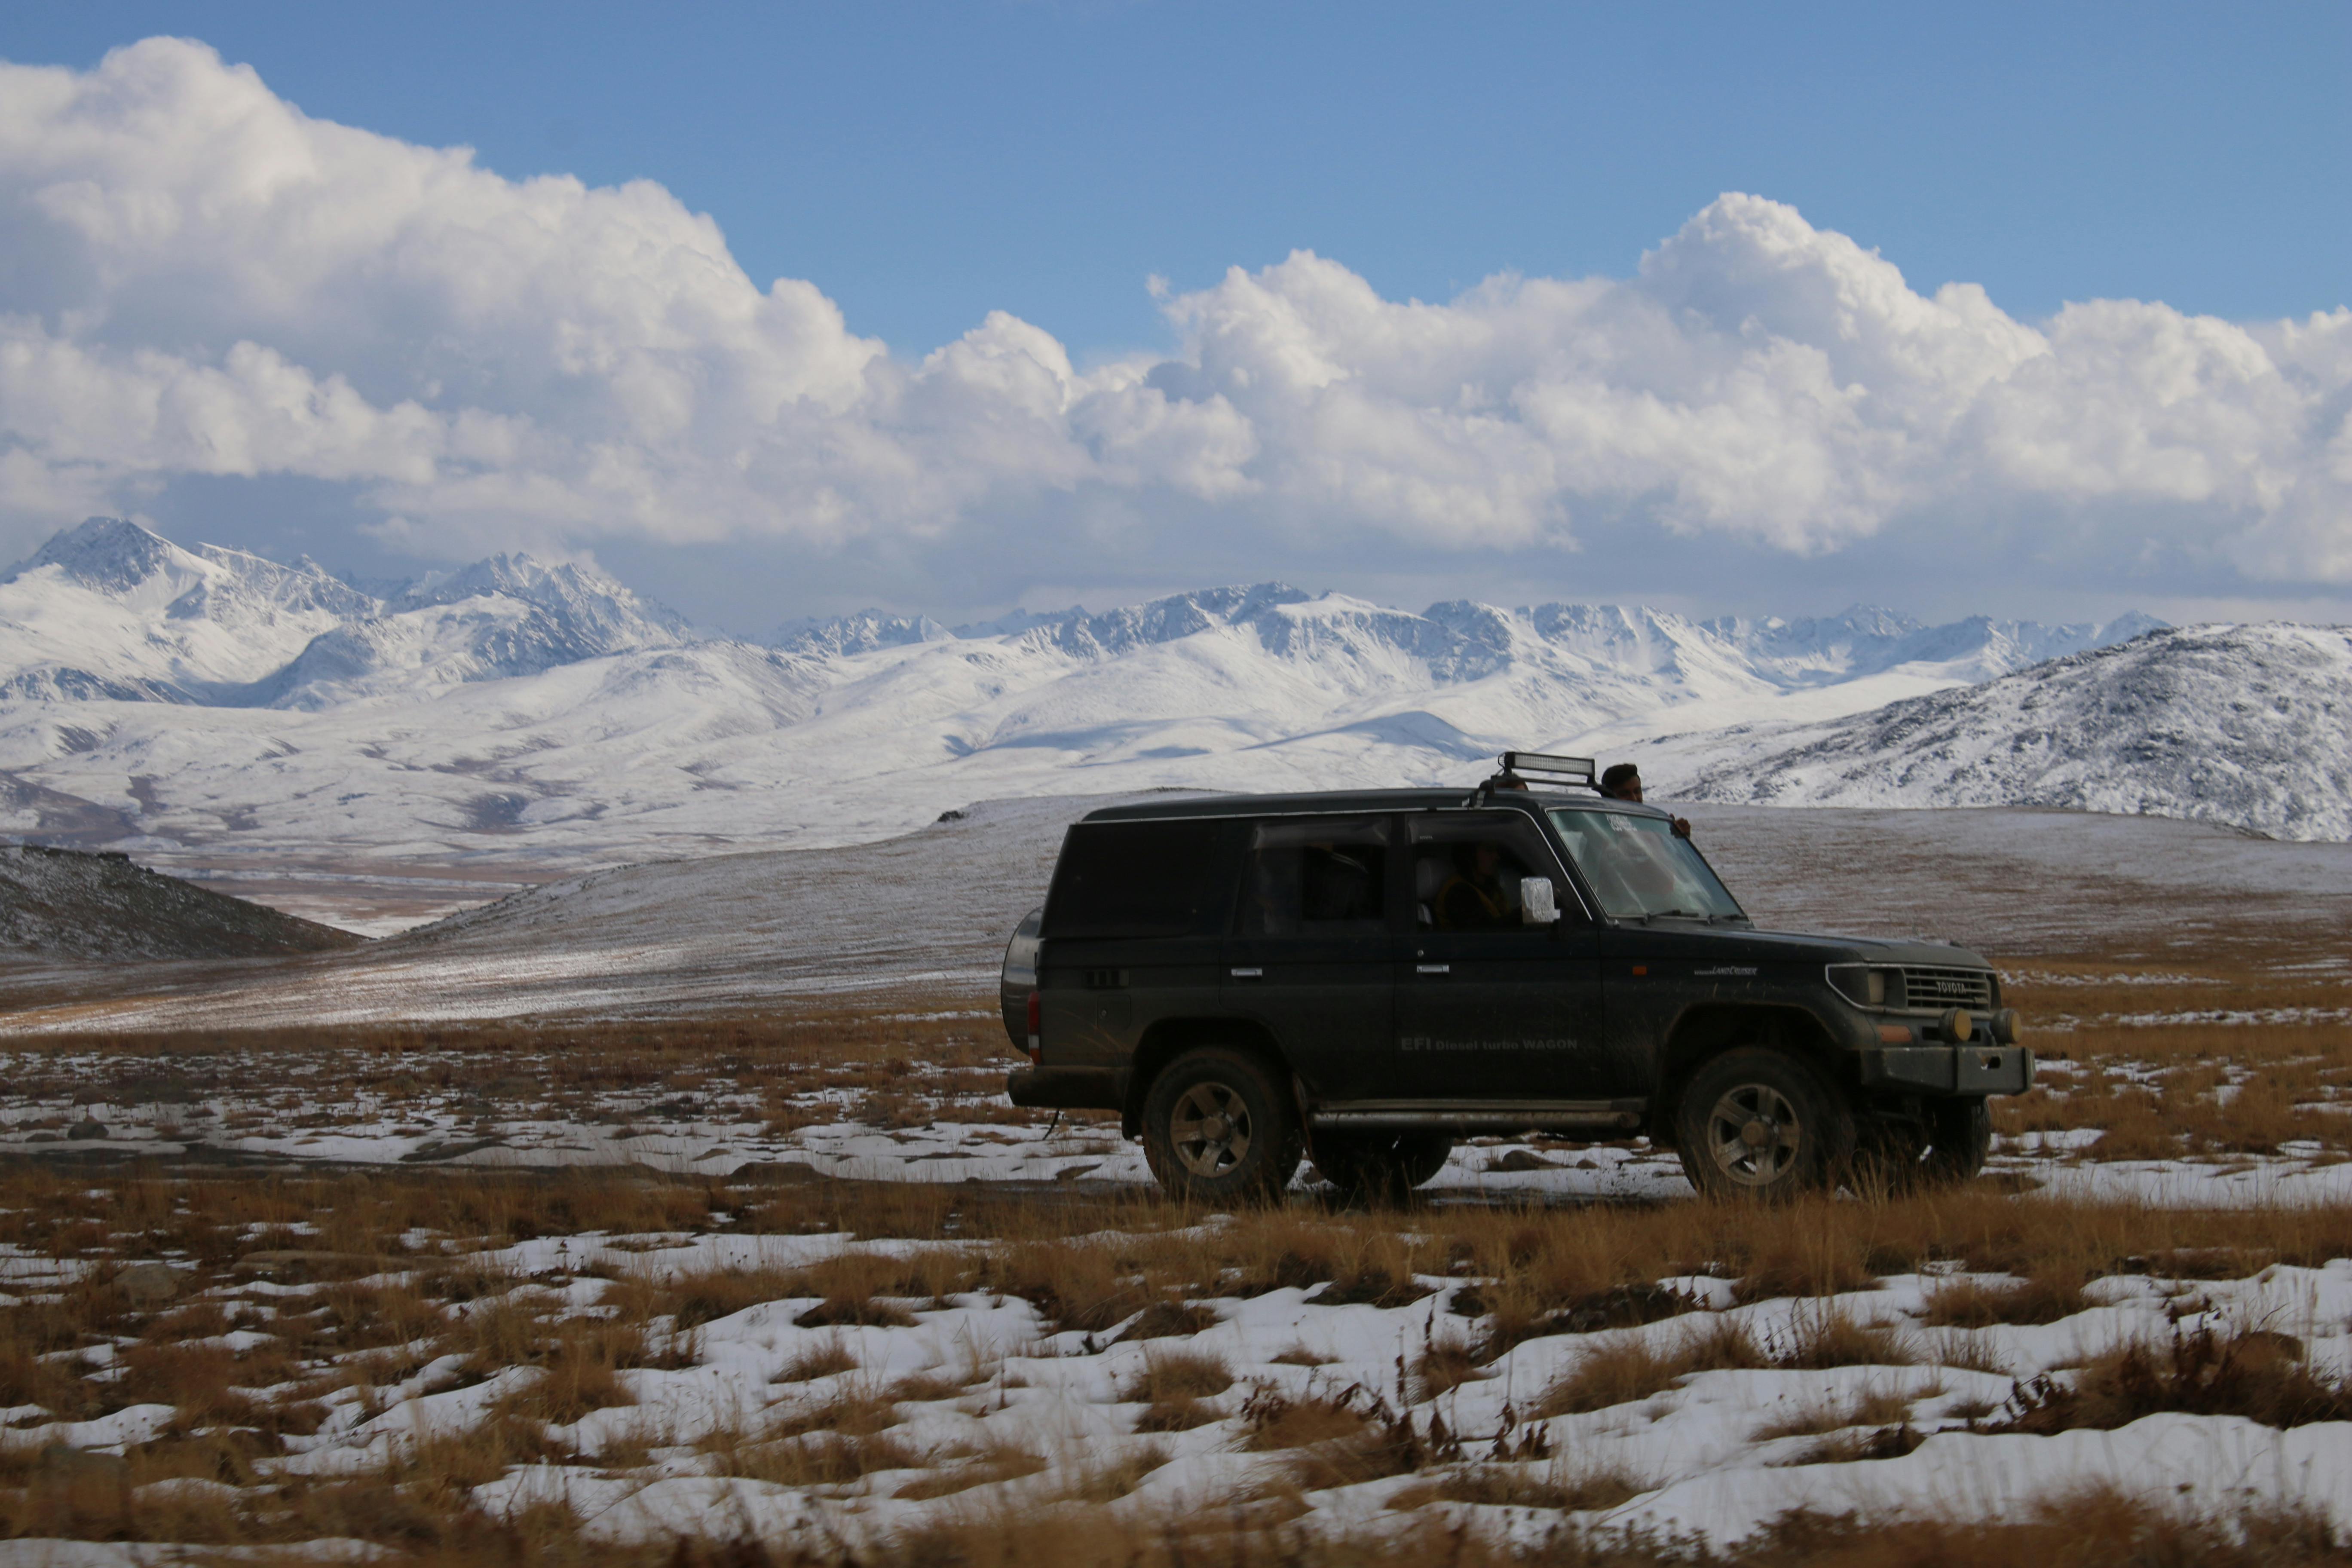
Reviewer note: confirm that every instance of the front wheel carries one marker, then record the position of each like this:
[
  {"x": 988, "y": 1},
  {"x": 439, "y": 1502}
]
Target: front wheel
[
  {"x": 1377, "y": 1167},
  {"x": 1756, "y": 1124},
  {"x": 1218, "y": 1129}
]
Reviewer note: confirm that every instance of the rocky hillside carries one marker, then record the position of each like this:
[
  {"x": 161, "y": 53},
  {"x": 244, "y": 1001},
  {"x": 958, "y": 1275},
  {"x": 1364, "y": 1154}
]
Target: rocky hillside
[{"x": 65, "y": 904}]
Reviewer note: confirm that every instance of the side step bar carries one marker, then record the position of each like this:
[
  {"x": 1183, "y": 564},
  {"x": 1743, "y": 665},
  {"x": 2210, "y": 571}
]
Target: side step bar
[{"x": 1480, "y": 1115}]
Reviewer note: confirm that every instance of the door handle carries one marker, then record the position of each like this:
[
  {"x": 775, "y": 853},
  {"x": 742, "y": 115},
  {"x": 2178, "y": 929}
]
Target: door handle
[
  {"x": 1433, "y": 969},
  {"x": 1249, "y": 973}
]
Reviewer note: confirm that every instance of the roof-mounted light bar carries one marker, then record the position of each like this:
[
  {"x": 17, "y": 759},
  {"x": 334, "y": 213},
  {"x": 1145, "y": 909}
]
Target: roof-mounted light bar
[{"x": 1569, "y": 769}]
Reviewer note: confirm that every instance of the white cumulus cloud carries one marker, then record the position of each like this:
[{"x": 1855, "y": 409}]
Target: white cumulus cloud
[{"x": 197, "y": 278}]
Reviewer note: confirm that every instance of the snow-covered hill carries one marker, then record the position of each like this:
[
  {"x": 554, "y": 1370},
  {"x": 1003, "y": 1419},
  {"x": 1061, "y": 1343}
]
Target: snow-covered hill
[
  {"x": 2245, "y": 725},
  {"x": 207, "y": 708}
]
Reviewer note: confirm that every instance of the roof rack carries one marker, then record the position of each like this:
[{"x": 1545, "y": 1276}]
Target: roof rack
[{"x": 1563, "y": 770}]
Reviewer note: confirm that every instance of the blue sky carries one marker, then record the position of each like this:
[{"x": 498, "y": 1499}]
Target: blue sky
[{"x": 923, "y": 166}]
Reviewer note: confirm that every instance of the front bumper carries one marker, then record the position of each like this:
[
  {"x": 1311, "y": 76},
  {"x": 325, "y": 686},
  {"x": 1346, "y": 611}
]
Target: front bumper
[
  {"x": 1948, "y": 1070},
  {"x": 1063, "y": 1088}
]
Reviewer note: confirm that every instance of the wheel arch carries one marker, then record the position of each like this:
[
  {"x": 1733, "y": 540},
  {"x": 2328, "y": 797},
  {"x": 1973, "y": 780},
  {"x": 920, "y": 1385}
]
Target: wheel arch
[
  {"x": 1710, "y": 1029},
  {"x": 1167, "y": 1038}
]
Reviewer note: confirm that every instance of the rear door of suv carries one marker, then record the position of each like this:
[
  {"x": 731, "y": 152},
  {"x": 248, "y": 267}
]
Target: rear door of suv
[
  {"x": 1134, "y": 931},
  {"x": 1318, "y": 929}
]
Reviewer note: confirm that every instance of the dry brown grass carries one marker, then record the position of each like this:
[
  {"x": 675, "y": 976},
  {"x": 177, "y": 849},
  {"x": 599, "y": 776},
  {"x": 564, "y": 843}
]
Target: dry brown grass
[
  {"x": 1825, "y": 1335},
  {"x": 1631, "y": 1368},
  {"x": 1442, "y": 1366},
  {"x": 841, "y": 1442},
  {"x": 1558, "y": 1485},
  {"x": 998, "y": 1461},
  {"x": 1113, "y": 1480},
  {"x": 1877, "y": 1408},
  {"x": 1092, "y": 1264},
  {"x": 1171, "y": 1386},
  {"x": 2252, "y": 1372},
  {"x": 578, "y": 1363},
  {"x": 1975, "y": 1304},
  {"x": 826, "y": 1359}
]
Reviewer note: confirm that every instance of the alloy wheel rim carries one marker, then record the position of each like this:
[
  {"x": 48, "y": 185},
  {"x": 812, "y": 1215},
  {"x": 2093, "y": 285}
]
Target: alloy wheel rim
[
  {"x": 1754, "y": 1134},
  {"x": 1210, "y": 1130}
]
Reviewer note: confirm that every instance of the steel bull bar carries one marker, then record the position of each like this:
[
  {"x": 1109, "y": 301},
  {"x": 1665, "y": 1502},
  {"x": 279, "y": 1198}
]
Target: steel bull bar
[{"x": 1949, "y": 1070}]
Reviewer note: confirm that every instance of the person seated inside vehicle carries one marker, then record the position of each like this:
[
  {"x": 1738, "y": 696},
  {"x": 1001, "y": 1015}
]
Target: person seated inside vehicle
[
  {"x": 1338, "y": 882},
  {"x": 1478, "y": 897}
]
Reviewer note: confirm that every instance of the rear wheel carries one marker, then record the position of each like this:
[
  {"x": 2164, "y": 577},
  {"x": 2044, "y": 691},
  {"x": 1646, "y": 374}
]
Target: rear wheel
[
  {"x": 1755, "y": 1123},
  {"x": 1947, "y": 1146},
  {"x": 1959, "y": 1134},
  {"x": 1380, "y": 1167},
  {"x": 1217, "y": 1128}
]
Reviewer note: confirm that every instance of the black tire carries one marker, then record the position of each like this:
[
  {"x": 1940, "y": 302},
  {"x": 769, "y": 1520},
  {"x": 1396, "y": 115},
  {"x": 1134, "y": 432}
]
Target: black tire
[
  {"x": 1758, "y": 1124},
  {"x": 1380, "y": 1167},
  {"x": 1219, "y": 1128},
  {"x": 1959, "y": 1136}
]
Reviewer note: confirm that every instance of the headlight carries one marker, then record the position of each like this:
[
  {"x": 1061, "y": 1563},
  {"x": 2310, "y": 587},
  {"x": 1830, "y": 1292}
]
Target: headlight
[{"x": 1868, "y": 985}]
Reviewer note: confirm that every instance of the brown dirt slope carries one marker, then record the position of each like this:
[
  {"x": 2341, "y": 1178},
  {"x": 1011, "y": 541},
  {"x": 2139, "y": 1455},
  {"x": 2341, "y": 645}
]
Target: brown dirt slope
[{"x": 65, "y": 904}]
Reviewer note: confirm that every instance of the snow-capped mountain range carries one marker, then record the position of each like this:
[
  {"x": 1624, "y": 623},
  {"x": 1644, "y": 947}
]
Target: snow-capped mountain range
[
  {"x": 209, "y": 705},
  {"x": 108, "y": 610}
]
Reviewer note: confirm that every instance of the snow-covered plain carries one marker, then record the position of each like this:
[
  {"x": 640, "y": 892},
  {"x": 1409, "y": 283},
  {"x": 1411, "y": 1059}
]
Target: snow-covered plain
[
  {"x": 271, "y": 1106},
  {"x": 991, "y": 1407},
  {"x": 924, "y": 918},
  {"x": 1702, "y": 1456}
]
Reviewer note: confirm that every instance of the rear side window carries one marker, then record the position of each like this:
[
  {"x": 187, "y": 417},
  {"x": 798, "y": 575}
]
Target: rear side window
[
  {"x": 1141, "y": 878},
  {"x": 1321, "y": 877}
]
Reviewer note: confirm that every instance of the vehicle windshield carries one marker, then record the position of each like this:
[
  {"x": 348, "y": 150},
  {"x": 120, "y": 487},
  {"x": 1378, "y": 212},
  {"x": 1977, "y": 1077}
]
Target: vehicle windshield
[{"x": 1639, "y": 868}]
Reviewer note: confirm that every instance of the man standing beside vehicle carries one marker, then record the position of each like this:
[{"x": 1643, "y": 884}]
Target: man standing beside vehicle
[{"x": 1622, "y": 781}]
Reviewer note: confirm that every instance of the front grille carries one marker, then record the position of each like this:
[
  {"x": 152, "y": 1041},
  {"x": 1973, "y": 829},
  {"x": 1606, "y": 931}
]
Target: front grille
[{"x": 1933, "y": 990}]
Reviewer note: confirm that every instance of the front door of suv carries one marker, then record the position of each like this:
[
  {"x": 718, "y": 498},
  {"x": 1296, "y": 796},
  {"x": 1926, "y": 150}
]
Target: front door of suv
[
  {"x": 1316, "y": 935},
  {"x": 1489, "y": 1008}
]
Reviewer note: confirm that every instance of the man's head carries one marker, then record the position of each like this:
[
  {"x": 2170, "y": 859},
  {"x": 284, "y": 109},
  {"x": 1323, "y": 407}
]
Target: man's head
[{"x": 1623, "y": 782}]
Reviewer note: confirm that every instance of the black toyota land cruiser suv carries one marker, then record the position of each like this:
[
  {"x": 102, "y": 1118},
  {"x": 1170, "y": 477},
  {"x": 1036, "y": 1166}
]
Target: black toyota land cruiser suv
[{"x": 1361, "y": 977}]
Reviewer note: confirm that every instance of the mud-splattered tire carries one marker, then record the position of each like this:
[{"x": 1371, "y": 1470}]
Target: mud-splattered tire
[
  {"x": 1375, "y": 1168},
  {"x": 1218, "y": 1128},
  {"x": 1756, "y": 1124}
]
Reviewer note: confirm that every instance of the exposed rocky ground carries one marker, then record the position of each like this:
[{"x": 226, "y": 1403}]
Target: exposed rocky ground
[{"x": 65, "y": 905}]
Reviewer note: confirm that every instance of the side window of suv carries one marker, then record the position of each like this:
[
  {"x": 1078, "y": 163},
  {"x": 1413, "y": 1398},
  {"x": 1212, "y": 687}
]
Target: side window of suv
[
  {"x": 1466, "y": 873},
  {"x": 1320, "y": 877},
  {"x": 1141, "y": 879}
]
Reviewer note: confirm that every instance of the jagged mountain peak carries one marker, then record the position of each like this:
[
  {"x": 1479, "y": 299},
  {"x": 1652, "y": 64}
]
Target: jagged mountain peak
[
  {"x": 108, "y": 554},
  {"x": 860, "y": 631},
  {"x": 115, "y": 556},
  {"x": 566, "y": 587}
]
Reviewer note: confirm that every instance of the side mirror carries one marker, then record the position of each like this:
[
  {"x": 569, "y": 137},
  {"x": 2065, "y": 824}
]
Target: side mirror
[{"x": 1535, "y": 905}]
